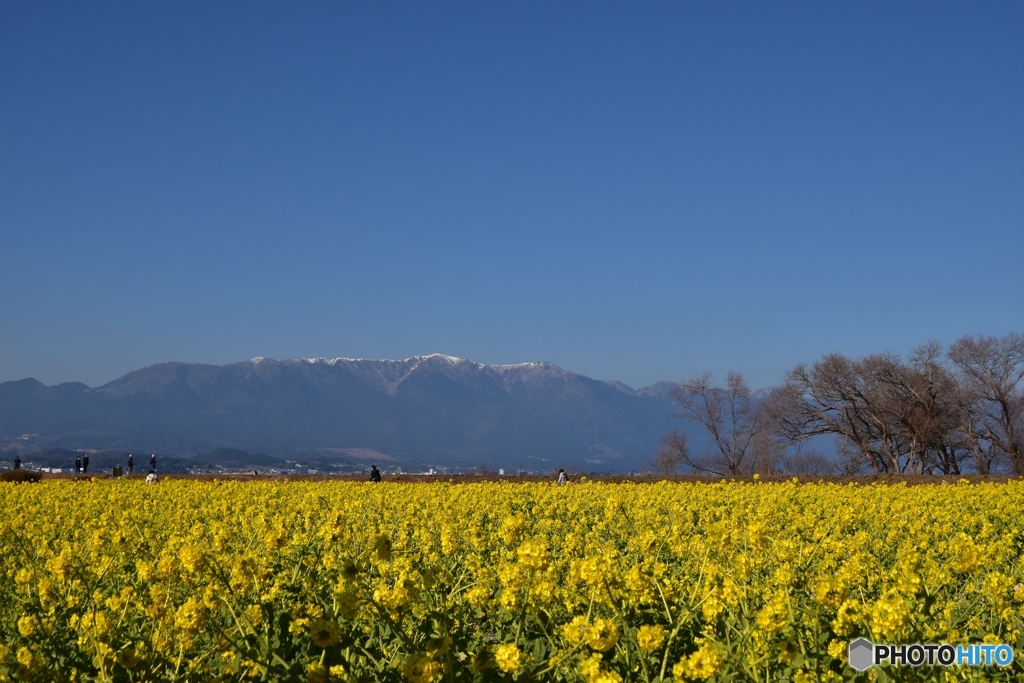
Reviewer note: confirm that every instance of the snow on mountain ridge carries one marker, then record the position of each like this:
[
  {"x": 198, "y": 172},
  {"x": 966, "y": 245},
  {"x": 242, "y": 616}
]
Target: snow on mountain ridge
[
  {"x": 386, "y": 375},
  {"x": 454, "y": 360},
  {"x": 416, "y": 360}
]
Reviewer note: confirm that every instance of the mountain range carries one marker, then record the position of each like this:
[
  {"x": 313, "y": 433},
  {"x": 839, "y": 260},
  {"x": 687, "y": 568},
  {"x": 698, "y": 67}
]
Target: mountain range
[{"x": 424, "y": 411}]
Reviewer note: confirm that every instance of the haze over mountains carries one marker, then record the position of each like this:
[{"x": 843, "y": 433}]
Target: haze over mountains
[{"x": 424, "y": 411}]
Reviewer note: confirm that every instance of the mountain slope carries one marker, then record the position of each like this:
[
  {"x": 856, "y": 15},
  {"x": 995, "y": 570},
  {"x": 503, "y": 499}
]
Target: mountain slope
[{"x": 431, "y": 410}]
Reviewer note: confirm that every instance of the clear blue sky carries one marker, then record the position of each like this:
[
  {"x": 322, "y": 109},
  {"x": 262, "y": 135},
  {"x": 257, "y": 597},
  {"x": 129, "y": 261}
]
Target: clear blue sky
[{"x": 634, "y": 191}]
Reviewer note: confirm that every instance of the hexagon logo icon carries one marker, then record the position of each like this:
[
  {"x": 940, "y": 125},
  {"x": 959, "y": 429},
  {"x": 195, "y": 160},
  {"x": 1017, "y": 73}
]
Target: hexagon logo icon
[{"x": 861, "y": 654}]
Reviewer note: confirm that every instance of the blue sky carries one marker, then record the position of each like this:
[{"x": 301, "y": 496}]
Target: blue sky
[{"x": 634, "y": 191}]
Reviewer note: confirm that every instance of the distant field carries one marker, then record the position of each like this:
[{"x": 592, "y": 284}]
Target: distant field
[{"x": 202, "y": 578}]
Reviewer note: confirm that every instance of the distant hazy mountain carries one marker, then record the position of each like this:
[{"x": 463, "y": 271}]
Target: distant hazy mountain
[{"x": 426, "y": 410}]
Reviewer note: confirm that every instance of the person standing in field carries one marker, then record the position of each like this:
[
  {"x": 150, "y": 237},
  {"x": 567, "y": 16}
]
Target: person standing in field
[
  {"x": 78, "y": 464},
  {"x": 85, "y": 464},
  {"x": 131, "y": 464},
  {"x": 152, "y": 462},
  {"x": 374, "y": 474},
  {"x": 561, "y": 477},
  {"x": 17, "y": 463}
]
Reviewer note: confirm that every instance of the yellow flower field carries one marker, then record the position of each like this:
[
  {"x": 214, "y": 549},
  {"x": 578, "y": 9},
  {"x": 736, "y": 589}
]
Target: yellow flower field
[{"x": 286, "y": 581}]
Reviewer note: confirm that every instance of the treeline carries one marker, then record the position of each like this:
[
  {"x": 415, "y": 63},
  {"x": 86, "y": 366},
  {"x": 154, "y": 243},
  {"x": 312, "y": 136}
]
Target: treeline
[{"x": 939, "y": 411}]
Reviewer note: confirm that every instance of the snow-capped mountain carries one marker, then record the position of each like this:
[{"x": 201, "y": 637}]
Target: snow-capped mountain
[{"x": 434, "y": 409}]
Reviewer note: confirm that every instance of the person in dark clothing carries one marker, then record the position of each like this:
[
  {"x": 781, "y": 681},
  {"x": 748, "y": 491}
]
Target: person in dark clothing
[
  {"x": 374, "y": 473},
  {"x": 85, "y": 464},
  {"x": 17, "y": 463},
  {"x": 131, "y": 464},
  {"x": 78, "y": 464},
  {"x": 152, "y": 462}
]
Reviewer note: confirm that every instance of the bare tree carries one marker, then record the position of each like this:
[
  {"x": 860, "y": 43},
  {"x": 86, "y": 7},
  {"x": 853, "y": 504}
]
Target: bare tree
[
  {"x": 939, "y": 392},
  {"x": 985, "y": 457},
  {"x": 841, "y": 397},
  {"x": 920, "y": 399},
  {"x": 992, "y": 370},
  {"x": 673, "y": 453},
  {"x": 808, "y": 462},
  {"x": 732, "y": 418},
  {"x": 921, "y": 416}
]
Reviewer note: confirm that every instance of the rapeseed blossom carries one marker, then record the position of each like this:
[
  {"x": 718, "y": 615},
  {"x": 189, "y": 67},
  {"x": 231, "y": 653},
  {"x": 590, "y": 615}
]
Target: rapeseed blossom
[{"x": 589, "y": 583}]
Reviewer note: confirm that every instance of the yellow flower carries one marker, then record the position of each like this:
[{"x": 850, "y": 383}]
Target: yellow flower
[
  {"x": 592, "y": 672},
  {"x": 96, "y": 625},
  {"x": 596, "y": 570},
  {"x": 478, "y": 596},
  {"x": 704, "y": 663},
  {"x": 712, "y": 605},
  {"x": 28, "y": 626},
  {"x": 731, "y": 593},
  {"x": 534, "y": 555},
  {"x": 382, "y": 548},
  {"x": 23, "y": 577},
  {"x": 421, "y": 669},
  {"x": 574, "y": 630},
  {"x": 62, "y": 565},
  {"x": 830, "y": 592},
  {"x": 254, "y": 613},
  {"x": 774, "y": 614},
  {"x": 847, "y": 617},
  {"x": 602, "y": 635},
  {"x": 166, "y": 566},
  {"x": 590, "y": 667},
  {"x": 508, "y": 657},
  {"x": 190, "y": 617},
  {"x": 129, "y": 656},
  {"x": 191, "y": 559},
  {"x": 424, "y": 574},
  {"x": 509, "y": 600},
  {"x": 650, "y": 638},
  {"x": 967, "y": 555},
  {"x": 230, "y": 660},
  {"x": 317, "y": 673},
  {"x": 30, "y": 663},
  {"x": 396, "y": 597},
  {"x": 324, "y": 633},
  {"x": 512, "y": 529},
  {"x": 47, "y": 593},
  {"x": 889, "y": 615}
]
